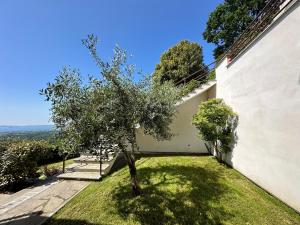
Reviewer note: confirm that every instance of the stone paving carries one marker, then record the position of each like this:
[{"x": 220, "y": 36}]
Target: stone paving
[
  {"x": 86, "y": 168},
  {"x": 32, "y": 206}
]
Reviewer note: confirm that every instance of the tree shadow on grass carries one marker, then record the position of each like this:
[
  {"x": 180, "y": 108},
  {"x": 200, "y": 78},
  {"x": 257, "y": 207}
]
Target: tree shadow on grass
[
  {"x": 174, "y": 194},
  {"x": 37, "y": 218}
]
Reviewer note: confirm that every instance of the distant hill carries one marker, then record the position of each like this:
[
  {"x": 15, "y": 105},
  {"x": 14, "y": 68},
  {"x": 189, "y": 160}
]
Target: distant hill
[
  {"x": 28, "y": 135},
  {"x": 29, "y": 128}
]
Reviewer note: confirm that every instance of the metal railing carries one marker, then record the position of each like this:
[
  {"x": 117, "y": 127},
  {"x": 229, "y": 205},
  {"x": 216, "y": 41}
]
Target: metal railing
[
  {"x": 256, "y": 27},
  {"x": 199, "y": 75},
  {"x": 105, "y": 153}
]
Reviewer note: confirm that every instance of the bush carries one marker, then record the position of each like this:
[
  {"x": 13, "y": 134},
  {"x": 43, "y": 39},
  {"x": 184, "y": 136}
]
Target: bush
[
  {"x": 19, "y": 159},
  {"x": 216, "y": 123},
  {"x": 46, "y": 153},
  {"x": 18, "y": 162},
  {"x": 50, "y": 171},
  {"x": 212, "y": 75},
  {"x": 189, "y": 87},
  {"x": 193, "y": 84}
]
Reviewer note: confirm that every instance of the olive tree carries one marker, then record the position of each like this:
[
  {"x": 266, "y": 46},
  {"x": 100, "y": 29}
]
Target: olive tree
[
  {"x": 216, "y": 123},
  {"x": 111, "y": 106}
]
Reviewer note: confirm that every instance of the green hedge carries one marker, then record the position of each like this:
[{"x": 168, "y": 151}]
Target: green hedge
[{"x": 19, "y": 160}]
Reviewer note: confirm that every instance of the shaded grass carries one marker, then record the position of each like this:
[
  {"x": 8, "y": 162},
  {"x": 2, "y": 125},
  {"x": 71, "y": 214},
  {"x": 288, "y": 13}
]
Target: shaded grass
[
  {"x": 177, "y": 190},
  {"x": 56, "y": 165}
]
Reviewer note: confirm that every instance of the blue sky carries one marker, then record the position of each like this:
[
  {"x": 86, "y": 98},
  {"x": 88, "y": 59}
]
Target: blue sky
[{"x": 39, "y": 37}]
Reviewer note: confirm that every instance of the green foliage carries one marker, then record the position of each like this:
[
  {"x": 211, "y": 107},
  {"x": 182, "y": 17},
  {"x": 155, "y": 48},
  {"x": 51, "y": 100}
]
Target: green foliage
[
  {"x": 181, "y": 190},
  {"x": 46, "y": 152},
  {"x": 193, "y": 84},
  {"x": 32, "y": 135},
  {"x": 48, "y": 172},
  {"x": 228, "y": 21},
  {"x": 179, "y": 61},
  {"x": 212, "y": 75},
  {"x": 189, "y": 87},
  {"x": 158, "y": 109},
  {"x": 19, "y": 160},
  {"x": 109, "y": 107},
  {"x": 56, "y": 165},
  {"x": 216, "y": 123}
]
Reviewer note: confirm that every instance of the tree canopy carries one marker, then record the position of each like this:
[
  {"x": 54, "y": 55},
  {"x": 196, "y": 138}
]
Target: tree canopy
[
  {"x": 110, "y": 107},
  {"x": 228, "y": 21},
  {"x": 179, "y": 61}
]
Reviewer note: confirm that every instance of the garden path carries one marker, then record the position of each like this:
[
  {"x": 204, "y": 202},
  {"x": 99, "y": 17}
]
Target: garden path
[{"x": 34, "y": 205}]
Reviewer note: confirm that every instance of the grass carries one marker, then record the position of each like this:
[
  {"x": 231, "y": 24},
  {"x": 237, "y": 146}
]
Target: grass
[
  {"x": 177, "y": 190},
  {"x": 57, "y": 165}
]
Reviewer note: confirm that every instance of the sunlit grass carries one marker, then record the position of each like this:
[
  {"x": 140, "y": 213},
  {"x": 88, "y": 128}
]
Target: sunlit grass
[
  {"x": 57, "y": 165},
  {"x": 177, "y": 190}
]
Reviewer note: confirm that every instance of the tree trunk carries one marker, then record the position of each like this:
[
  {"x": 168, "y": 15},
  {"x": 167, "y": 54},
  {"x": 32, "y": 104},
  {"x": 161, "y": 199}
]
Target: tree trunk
[
  {"x": 64, "y": 164},
  {"x": 209, "y": 148},
  {"x": 133, "y": 175},
  {"x": 218, "y": 153}
]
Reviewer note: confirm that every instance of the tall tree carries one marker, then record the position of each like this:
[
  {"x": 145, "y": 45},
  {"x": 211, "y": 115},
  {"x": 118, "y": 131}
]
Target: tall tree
[
  {"x": 110, "y": 107},
  {"x": 228, "y": 21},
  {"x": 179, "y": 61}
]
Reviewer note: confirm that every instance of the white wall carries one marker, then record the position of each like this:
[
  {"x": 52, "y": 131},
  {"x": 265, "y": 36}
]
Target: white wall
[
  {"x": 263, "y": 87},
  {"x": 185, "y": 139}
]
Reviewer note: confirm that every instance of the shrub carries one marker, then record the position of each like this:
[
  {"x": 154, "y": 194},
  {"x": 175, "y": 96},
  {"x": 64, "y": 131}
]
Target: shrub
[
  {"x": 18, "y": 162},
  {"x": 212, "y": 75},
  {"x": 19, "y": 159},
  {"x": 216, "y": 123},
  {"x": 46, "y": 153},
  {"x": 193, "y": 84},
  {"x": 189, "y": 87},
  {"x": 50, "y": 171}
]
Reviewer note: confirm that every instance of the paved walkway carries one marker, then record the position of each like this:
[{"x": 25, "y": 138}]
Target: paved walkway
[{"x": 32, "y": 206}]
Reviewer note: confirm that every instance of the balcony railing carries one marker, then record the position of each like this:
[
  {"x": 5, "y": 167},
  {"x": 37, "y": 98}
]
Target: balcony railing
[
  {"x": 200, "y": 75},
  {"x": 257, "y": 26}
]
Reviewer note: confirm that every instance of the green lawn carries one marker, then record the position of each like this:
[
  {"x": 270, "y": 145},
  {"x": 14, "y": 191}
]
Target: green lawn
[
  {"x": 57, "y": 165},
  {"x": 177, "y": 190}
]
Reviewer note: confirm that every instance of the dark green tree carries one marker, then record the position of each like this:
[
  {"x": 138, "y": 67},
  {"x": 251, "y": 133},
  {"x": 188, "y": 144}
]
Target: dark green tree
[
  {"x": 228, "y": 21},
  {"x": 179, "y": 61}
]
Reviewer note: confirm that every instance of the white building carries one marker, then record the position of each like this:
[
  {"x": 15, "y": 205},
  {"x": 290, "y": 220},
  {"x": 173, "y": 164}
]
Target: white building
[{"x": 261, "y": 84}]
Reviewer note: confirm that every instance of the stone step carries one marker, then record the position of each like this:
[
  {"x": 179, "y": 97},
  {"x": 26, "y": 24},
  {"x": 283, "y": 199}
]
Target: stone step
[
  {"x": 84, "y": 159},
  {"x": 89, "y": 176},
  {"x": 91, "y": 160},
  {"x": 86, "y": 167}
]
